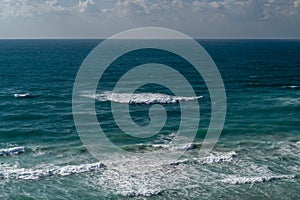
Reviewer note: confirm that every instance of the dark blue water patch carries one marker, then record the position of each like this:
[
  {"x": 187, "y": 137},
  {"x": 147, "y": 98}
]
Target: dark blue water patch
[{"x": 263, "y": 63}]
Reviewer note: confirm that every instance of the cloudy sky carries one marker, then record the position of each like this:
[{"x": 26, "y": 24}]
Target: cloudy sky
[{"x": 197, "y": 18}]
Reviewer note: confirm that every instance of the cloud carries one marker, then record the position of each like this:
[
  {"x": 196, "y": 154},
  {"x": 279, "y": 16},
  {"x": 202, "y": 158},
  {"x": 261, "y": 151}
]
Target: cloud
[
  {"x": 267, "y": 8},
  {"x": 15, "y": 9},
  {"x": 280, "y": 8},
  {"x": 126, "y": 6},
  {"x": 296, "y": 3},
  {"x": 33, "y": 8},
  {"x": 84, "y": 5},
  {"x": 183, "y": 15}
]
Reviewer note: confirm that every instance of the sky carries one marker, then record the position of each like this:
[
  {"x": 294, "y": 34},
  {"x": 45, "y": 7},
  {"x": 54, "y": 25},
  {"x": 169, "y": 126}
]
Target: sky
[{"x": 196, "y": 18}]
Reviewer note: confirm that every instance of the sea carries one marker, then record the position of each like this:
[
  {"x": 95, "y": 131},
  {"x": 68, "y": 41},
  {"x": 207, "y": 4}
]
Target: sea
[{"x": 42, "y": 155}]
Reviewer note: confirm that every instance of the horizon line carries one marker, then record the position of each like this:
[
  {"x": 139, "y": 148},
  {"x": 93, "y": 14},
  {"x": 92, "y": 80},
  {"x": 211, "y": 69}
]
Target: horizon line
[{"x": 200, "y": 38}]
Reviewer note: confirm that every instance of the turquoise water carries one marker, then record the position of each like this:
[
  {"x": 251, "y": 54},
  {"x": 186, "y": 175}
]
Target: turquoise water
[{"x": 257, "y": 156}]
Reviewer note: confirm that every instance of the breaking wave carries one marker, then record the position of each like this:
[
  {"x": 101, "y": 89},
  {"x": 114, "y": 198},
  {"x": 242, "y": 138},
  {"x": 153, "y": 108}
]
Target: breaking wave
[
  {"x": 29, "y": 174},
  {"x": 213, "y": 159},
  {"x": 140, "y": 98},
  {"x": 184, "y": 147},
  {"x": 23, "y": 95},
  {"x": 291, "y": 86},
  {"x": 12, "y": 151},
  {"x": 129, "y": 177},
  {"x": 259, "y": 179}
]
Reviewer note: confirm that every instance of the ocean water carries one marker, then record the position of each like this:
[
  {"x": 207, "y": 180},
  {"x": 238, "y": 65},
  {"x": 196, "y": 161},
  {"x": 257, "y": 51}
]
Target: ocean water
[{"x": 256, "y": 157}]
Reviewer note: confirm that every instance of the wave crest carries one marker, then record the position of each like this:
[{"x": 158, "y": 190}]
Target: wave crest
[
  {"x": 259, "y": 179},
  {"x": 23, "y": 95},
  {"x": 140, "y": 98},
  {"x": 213, "y": 159},
  {"x": 12, "y": 151},
  {"x": 30, "y": 174}
]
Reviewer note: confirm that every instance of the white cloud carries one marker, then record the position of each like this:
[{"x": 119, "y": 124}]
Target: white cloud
[
  {"x": 296, "y": 3},
  {"x": 83, "y": 5},
  {"x": 196, "y": 6},
  {"x": 32, "y": 8},
  {"x": 128, "y": 6},
  {"x": 18, "y": 8},
  {"x": 178, "y": 14},
  {"x": 178, "y": 4},
  {"x": 280, "y": 8}
]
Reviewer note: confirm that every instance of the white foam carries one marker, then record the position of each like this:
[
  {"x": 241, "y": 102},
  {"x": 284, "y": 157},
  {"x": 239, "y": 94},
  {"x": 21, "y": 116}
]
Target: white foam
[
  {"x": 12, "y": 151},
  {"x": 140, "y": 98},
  {"x": 135, "y": 176},
  {"x": 141, "y": 193},
  {"x": 22, "y": 95},
  {"x": 291, "y": 86},
  {"x": 289, "y": 101},
  {"x": 258, "y": 179},
  {"x": 184, "y": 147},
  {"x": 219, "y": 158},
  {"x": 213, "y": 159},
  {"x": 29, "y": 174},
  {"x": 289, "y": 149}
]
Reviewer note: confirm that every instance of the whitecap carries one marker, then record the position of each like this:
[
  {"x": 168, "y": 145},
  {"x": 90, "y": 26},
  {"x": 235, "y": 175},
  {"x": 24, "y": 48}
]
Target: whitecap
[
  {"x": 258, "y": 179},
  {"x": 12, "y": 151},
  {"x": 141, "y": 193},
  {"x": 138, "y": 176},
  {"x": 289, "y": 101},
  {"x": 30, "y": 174},
  {"x": 184, "y": 147},
  {"x": 291, "y": 86},
  {"x": 212, "y": 159},
  {"x": 22, "y": 95},
  {"x": 140, "y": 98}
]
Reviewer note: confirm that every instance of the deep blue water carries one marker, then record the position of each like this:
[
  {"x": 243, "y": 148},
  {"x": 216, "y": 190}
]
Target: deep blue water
[{"x": 257, "y": 156}]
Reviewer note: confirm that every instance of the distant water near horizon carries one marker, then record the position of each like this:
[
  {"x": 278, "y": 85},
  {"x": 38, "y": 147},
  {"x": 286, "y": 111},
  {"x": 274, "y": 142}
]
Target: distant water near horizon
[{"x": 257, "y": 156}]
